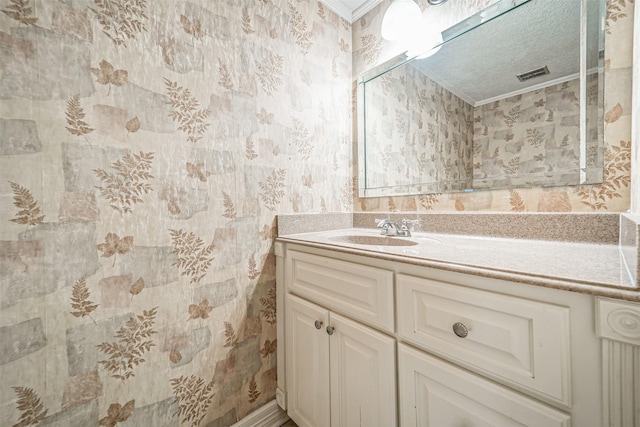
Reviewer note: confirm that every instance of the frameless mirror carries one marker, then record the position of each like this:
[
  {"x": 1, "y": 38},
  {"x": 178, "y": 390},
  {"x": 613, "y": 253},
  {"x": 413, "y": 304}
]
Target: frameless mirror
[{"x": 513, "y": 97}]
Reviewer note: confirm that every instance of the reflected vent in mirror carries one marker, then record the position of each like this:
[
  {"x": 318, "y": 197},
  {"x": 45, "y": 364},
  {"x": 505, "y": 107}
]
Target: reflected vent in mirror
[{"x": 533, "y": 73}]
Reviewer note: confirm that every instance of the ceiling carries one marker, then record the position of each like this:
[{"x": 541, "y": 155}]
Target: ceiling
[
  {"x": 533, "y": 35},
  {"x": 351, "y": 10},
  {"x": 546, "y": 34}
]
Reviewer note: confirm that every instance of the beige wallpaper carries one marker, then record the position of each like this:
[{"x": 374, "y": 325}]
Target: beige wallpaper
[
  {"x": 144, "y": 153},
  {"x": 421, "y": 132},
  {"x": 531, "y": 138},
  {"x": 613, "y": 195}
]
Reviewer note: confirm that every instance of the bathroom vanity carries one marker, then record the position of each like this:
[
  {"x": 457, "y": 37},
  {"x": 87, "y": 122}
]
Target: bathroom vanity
[{"x": 455, "y": 330}]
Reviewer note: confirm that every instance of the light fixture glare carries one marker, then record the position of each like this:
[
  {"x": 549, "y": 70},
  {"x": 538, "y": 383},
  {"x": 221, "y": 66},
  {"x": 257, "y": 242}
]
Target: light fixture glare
[
  {"x": 426, "y": 43},
  {"x": 401, "y": 20}
]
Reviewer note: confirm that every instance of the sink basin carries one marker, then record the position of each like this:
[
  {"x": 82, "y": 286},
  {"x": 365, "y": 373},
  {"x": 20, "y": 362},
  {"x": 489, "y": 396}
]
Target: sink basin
[{"x": 374, "y": 240}]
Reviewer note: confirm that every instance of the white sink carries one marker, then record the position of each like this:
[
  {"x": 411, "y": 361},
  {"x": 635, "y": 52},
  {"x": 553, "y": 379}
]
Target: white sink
[{"x": 374, "y": 240}]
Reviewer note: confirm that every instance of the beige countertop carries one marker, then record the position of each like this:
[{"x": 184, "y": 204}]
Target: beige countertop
[{"x": 592, "y": 268}]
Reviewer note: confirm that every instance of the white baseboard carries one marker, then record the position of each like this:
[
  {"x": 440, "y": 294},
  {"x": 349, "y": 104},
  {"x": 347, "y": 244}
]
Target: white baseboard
[{"x": 269, "y": 415}]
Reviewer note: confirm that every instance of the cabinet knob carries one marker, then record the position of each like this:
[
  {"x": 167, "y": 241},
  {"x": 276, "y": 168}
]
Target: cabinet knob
[
  {"x": 318, "y": 324},
  {"x": 330, "y": 330},
  {"x": 460, "y": 330}
]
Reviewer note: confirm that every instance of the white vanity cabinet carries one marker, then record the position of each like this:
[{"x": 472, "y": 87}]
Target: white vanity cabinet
[
  {"x": 339, "y": 372},
  {"x": 447, "y": 349}
]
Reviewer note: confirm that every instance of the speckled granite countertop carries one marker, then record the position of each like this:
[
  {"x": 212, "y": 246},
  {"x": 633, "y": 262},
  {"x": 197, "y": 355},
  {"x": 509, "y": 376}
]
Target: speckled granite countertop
[{"x": 592, "y": 268}]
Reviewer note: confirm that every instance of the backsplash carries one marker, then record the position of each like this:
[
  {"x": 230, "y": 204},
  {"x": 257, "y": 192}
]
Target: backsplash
[
  {"x": 145, "y": 152},
  {"x": 612, "y": 196},
  {"x": 584, "y": 227}
]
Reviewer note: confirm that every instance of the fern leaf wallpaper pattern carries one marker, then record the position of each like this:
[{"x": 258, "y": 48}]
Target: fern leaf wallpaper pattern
[
  {"x": 29, "y": 212},
  {"x": 80, "y": 302},
  {"x": 133, "y": 341},
  {"x": 125, "y": 186},
  {"x": 193, "y": 396},
  {"x": 137, "y": 133},
  {"x": 20, "y": 11},
  {"x": 75, "y": 115},
  {"x": 29, "y": 403},
  {"x": 186, "y": 112},
  {"x": 193, "y": 257},
  {"x": 121, "y": 21},
  {"x": 155, "y": 129}
]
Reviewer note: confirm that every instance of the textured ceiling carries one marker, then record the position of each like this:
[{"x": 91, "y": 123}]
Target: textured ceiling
[
  {"x": 538, "y": 33},
  {"x": 483, "y": 63}
]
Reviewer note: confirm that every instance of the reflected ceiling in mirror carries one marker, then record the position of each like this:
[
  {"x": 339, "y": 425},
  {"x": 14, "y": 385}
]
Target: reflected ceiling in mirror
[{"x": 504, "y": 102}]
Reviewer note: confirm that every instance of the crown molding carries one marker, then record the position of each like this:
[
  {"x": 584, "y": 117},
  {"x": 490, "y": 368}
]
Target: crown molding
[
  {"x": 351, "y": 10},
  {"x": 364, "y": 7}
]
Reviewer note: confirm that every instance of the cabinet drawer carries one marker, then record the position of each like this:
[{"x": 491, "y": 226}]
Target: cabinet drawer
[
  {"x": 358, "y": 291},
  {"x": 523, "y": 342},
  {"x": 434, "y": 393}
]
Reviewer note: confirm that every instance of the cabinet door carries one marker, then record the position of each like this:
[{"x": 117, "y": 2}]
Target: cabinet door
[
  {"x": 434, "y": 393},
  {"x": 363, "y": 386},
  {"x": 307, "y": 363}
]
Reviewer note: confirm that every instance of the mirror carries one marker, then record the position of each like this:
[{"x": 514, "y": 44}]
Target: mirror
[{"x": 513, "y": 97}]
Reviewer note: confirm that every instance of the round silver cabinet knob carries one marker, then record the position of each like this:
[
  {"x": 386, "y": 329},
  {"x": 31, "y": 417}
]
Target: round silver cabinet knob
[
  {"x": 460, "y": 330},
  {"x": 318, "y": 324},
  {"x": 330, "y": 330}
]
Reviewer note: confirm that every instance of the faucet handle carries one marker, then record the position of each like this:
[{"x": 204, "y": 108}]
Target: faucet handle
[{"x": 412, "y": 222}]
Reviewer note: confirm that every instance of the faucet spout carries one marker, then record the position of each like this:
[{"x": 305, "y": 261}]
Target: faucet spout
[{"x": 389, "y": 228}]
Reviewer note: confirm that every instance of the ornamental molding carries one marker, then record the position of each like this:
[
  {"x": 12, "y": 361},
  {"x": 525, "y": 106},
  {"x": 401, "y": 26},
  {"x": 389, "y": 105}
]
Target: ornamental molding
[{"x": 618, "y": 321}]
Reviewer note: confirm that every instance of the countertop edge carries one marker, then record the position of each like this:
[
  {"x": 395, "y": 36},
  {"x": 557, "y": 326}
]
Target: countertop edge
[{"x": 602, "y": 290}]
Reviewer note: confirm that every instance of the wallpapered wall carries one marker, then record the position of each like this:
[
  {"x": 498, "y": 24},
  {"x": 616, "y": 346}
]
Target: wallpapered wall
[
  {"x": 418, "y": 121},
  {"x": 612, "y": 196},
  {"x": 145, "y": 151}
]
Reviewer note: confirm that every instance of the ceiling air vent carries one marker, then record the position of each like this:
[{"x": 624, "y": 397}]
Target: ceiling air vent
[{"x": 533, "y": 73}]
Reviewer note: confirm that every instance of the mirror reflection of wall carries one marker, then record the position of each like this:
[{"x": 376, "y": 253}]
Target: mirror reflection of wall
[
  {"x": 534, "y": 135},
  {"x": 461, "y": 119},
  {"x": 419, "y": 132}
]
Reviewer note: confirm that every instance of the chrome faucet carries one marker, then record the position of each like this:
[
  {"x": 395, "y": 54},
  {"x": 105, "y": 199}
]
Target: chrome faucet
[{"x": 390, "y": 228}]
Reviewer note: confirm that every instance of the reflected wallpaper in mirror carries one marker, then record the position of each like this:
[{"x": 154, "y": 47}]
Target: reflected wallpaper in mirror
[
  {"x": 460, "y": 120},
  {"x": 417, "y": 132}
]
